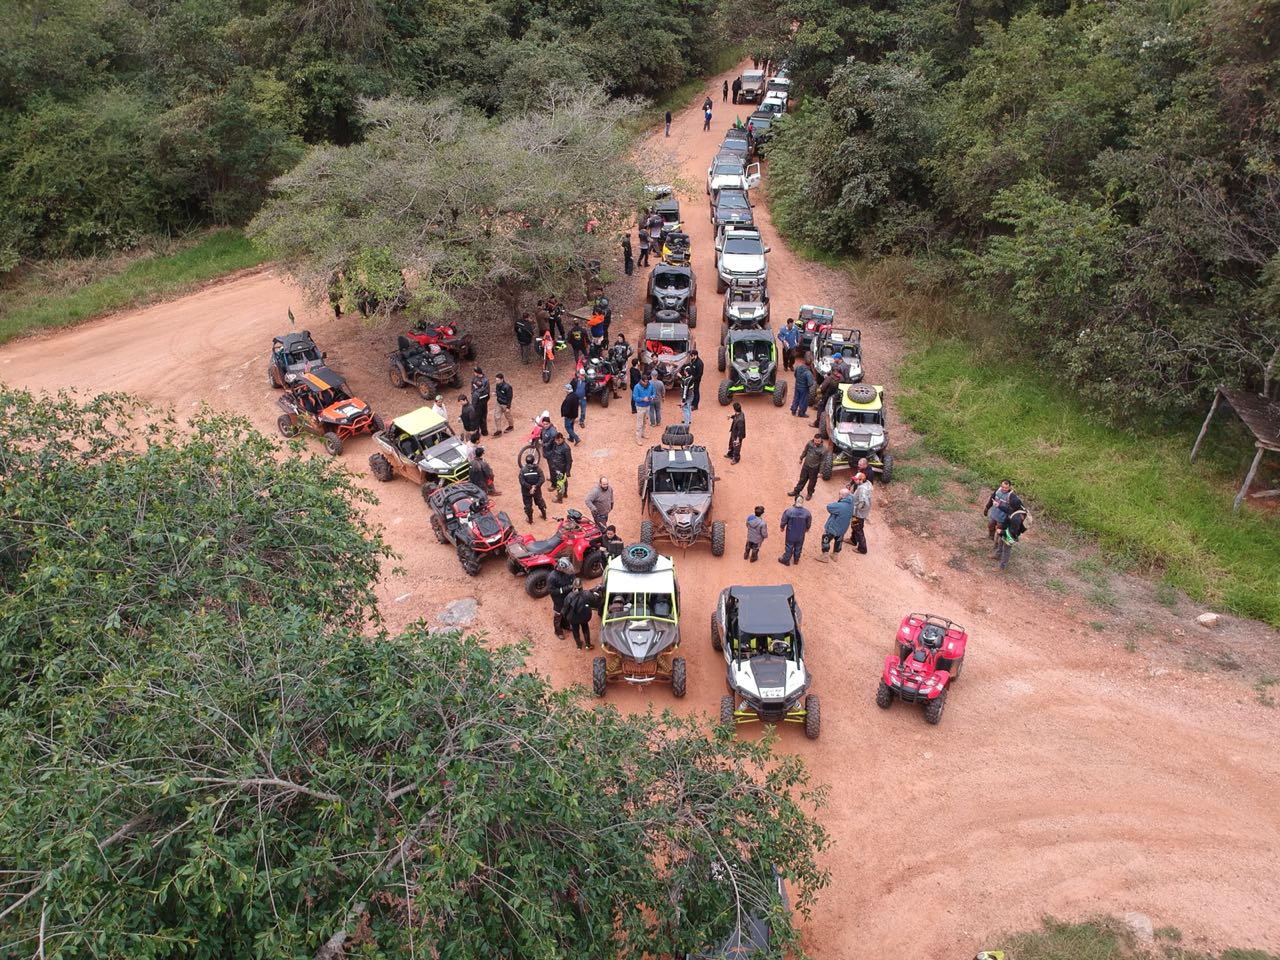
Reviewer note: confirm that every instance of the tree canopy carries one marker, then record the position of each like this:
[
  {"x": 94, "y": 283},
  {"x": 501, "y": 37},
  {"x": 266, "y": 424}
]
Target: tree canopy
[{"x": 209, "y": 748}]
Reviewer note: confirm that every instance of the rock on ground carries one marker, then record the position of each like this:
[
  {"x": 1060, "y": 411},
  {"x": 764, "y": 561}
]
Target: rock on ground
[{"x": 459, "y": 613}]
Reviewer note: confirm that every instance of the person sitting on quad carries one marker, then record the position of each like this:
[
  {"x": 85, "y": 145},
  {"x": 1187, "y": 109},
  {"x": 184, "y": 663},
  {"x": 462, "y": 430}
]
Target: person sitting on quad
[{"x": 620, "y": 350}]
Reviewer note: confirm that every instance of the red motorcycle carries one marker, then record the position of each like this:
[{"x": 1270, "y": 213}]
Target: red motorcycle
[{"x": 576, "y": 538}]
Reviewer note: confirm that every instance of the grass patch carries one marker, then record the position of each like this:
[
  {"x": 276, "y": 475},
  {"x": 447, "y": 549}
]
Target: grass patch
[
  {"x": 1055, "y": 585},
  {"x": 1108, "y": 939},
  {"x": 46, "y": 299},
  {"x": 1135, "y": 493},
  {"x": 925, "y": 481},
  {"x": 1263, "y": 689}
]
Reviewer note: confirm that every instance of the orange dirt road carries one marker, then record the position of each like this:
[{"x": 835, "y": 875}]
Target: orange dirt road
[{"x": 1067, "y": 778}]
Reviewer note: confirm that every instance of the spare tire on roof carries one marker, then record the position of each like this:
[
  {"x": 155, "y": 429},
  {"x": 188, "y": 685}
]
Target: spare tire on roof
[
  {"x": 861, "y": 393},
  {"x": 677, "y": 435},
  {"x": 639, "y": 557}
]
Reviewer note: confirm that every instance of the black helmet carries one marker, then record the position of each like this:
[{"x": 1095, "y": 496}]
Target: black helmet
[{"x": 529, "y": 459}]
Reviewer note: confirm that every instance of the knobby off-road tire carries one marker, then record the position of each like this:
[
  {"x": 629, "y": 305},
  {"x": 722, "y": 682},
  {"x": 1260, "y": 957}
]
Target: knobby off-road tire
[
  {"x": 513, "y": 567},
  {"x": 287, "y": 426},
  {"x": 717, "y": 538},
  {"x": 640, "y": 480},
  {"x": 723, "y": 393},
  {"x": 396, "y": 376},
  {"x": 378, "y": 424},
  {"x": 716, "y": 642},
  {"x": 780, "y": 393},
  {"x": 438, "y": 529},
  {"x": 274, "y": 378},
  {"x": 721, "y": 286},
  {"x": 332, "y": 443},
  {"x": 677, "y": 435},
  {"x": 428, "y": 488},
  {"x": 822, "y": 426},
  {"x": 648, "y": 311},
  {"x": 593, "y": 563},
  {"x": 933, "y": 709},
  {"x": 721, "y": 360},
  {"x": 884, "y": 696},
  {"x": 679, "y": 677},
  {"x": 812, "y": 716},
  {"x": 639, "y": 557},
  {"x": 604, "y": 397},
  {"x": 427, "y": 389},
  {"x": 828, "y": 464},
  {"x": 861, "y": 393},
  {"x": 599, "y": 677},
  {"x": 537, "y": 584},
  {"x": 693, "y": 315},
  {"x": 726, "y": 712},
  {"x": 646, "y": 531},
  {"x": 886, "y": 472},
  {"x": 469, "y": 559},
  {"x": 724, "y": 335},
  {"x": 546, "y": 373},
  {"x": 534, "y": 448},
  {"x": 380, "y": 467}
]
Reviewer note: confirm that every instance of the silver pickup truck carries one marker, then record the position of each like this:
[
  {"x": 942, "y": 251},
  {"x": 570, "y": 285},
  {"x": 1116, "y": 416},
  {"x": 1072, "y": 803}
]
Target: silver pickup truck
[{"x": 752, "y": 86}]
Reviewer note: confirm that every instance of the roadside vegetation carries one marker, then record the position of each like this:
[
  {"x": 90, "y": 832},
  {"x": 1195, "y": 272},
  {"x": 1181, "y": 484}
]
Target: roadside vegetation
[
  {"x": 57, "y": 294},
  {"x": 1110, "y": 939}
]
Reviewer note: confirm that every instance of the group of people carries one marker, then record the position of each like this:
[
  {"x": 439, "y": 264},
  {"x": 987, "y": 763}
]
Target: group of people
[
  {"x": 847, "y": 514},
  {"x": 648, "y": 390}
]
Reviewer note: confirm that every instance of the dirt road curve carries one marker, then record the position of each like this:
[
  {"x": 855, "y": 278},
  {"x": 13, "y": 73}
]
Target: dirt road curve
[{"x": 1067, "y": 778}]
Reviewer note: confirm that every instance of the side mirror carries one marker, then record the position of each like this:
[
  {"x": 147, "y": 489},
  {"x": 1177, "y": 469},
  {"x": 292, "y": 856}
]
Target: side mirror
[
  {"x": 324, "y": 354},
  {"x": 767, "y": 249}
]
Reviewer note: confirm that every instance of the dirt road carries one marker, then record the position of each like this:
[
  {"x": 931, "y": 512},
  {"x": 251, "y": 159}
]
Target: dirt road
[{"x": 1067, "y": 778}]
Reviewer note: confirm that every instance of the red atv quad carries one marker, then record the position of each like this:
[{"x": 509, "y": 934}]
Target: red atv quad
[
  {"x": 461, "y": 515},
  {"x": 930, "y": 654},
  {"x": 446, "y": 337},
  {"x": 578, "y": 539}
]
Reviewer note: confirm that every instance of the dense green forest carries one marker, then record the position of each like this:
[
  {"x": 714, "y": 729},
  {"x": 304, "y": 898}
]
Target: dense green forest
[
  {"x": 123, "y": 118},
  {"x": 1099, "y": 181}
]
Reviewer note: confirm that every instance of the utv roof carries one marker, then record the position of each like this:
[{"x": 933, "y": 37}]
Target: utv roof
[
  {"x": 418, "y": 421},
  {"x": 848, "y": 404},
  {"x": 661, "y": 579},
  {"x": 666, "y": 331},
  {"x": 289, "y": 341},
  {"x": 758, "y": 333},
  {"x": 667, "y": 205},
  {"x": 764, "y": 610},
  {"x": 681, "y": 458},
  {"x": 321, "y": 378}
]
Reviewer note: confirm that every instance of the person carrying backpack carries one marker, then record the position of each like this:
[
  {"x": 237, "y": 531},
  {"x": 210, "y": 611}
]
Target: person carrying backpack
[
  {"x": 576, "y": 614},
  {"x": 1015, "y": 525}
]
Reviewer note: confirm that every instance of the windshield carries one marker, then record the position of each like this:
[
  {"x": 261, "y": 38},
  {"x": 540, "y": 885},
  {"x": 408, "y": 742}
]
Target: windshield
[
  {"x": 639, "y": 606},
  {"x": 761, "y": 121},
  {"x": 754, "y": 644},
  {"x": 728, "y": 170},
  {"x": 673, "y": 281},
  {"x": 864, "y": 417},
  {"x": 733, "y": 201},
  {"x": 748, "y": 246},
  {"x": 331, "y": 396},
  {"x": 753, "y": 350},
  {"x": 432, "y": 437},
  {"x": 680, "y": 481}
]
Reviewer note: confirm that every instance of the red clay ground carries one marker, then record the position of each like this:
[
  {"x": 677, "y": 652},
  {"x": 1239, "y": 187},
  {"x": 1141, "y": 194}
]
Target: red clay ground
[{"x": 1068, "y": 777}]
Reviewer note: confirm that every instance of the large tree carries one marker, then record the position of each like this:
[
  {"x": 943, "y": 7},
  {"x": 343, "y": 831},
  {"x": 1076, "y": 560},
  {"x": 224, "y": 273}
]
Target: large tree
[
  {"x": 208, "y": 749},
  {"x": 438, "y": 199}
]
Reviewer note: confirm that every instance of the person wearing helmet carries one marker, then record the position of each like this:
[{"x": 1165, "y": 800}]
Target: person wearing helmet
[
  {"x": 531, "y": 480},
  {"x": 559, "y": 585}
]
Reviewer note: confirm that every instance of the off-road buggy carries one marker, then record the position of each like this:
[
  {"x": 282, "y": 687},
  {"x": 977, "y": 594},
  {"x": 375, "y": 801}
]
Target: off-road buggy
[
  {"x": 675, "y": 249},
  {"x": 758, "y": 629},
  {"x": 461, "y": 516},
  {"x": 854, "y": 423},
  {"x": 445, "y": 336},
  {"x": 320, "y": 403},
  {"x": 676, "y": 483},
  {"x": 812, "y": 322},
  {"x": 668, "y": 208},
  {"x": 427, "y": 368},
  {"x": 751, "y": 357},
  {"x": 420, "y": 446},
  {"x": 927, "y": 659},
  {"x": 576, "y": 538},
  {"x": 292, "y": 355},
  {"x": 673, "y": 293},
  {"x": 640, "y": 623},
  {"x": 745, "y": 308},
  {"x": 666, "y": 348},
  {"x": 835, "y": 342}
]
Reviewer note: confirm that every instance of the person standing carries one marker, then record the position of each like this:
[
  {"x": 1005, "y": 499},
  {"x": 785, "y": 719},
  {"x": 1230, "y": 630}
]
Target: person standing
[
  {"x": 482, "y": 473},
  {"x": 839, "y": 516},
  {"x": 627, "y": 264},
  {"x": 686, "y": 394},
  {"x": 439, "y": 409},
  {"x": 737, "y": 88},
  {"x": 757, "y": 533},
  {"x": 546, "y": 434},
  {"x": 861, "y": 512},
  {"x": 559, "y": 466},
  {"x": 555, "y": 317},
  {"x": 655, "y": 408},
  {"x": 470, "y": 420},
  {"x": 811, "y": 458},
  {"x": 480, "y": 398},
  {"x": 503, "y": 393},
  {"x": 578, "y": 604},
  {"x": 600, "y": 502},
  {"x": 642, "y": 397},
  {"x": 644, "y": 247},
  {"x": 997, "y": 508},
  {"x": 1015, "y": 524},
  {"x": 668, "y": 123},
  {"x": 655, "y": 224},
  {"x": 830, "y": 384},
  {"x": 558, "y": 586},
  {"x": 737, "y": 432},
  {"x": 633, "y": 378},
  {"x": 804, "y": 383},
  {"x": 531, "y": 480},
  {"x": 724, "y": 93},
  {"x": 795, "y": 523},
  {"x": 612, "y": 543},
  {"x": 524, "y": 335},
  {"x": 864, "y": 468},
  {"x": 580, "y": 391},
  {"x": 569, "y": 411},
  {"x": 578, "y": 340},
  {"x": 789, "y": 337},
  {"x": 706, "y": 118},
  {"x": 698, "y": 368}
]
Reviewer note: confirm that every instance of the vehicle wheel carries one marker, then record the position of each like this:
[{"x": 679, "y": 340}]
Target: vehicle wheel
[
  {"x": 646, "y": 531},
  {"x": 536, "y": 584},
  {"x": 861, "y": 393},
  {"x": 677, "y": 435},
  {"x": 438, "y": 529},
  {"x": 933, "y": 709},
  {"x": 720, "y": 360},
  {"x": 648, "y": 312},
  {"x": 884, "y": 696},
  {"x": 812, "y": 716},
  {"x": 396, "y": 376},
  {"x": 886, "y": 472},
  {"x": 599, "y": 677},
  {"x": 726, "y": 712},
  {"x": 546, "y": 374},
  {"x": 274, "y": 379},
  {"x": 514, "y": 568},
  {"x": 380, "y": 467},
  {"x": 639, "y": 557},
  {"x": 723, "y": 393},
  {"x": 534, "y": 448},
  {"x": 724, "y": 334},
  {"x": 378, "y": 424},
  {"x": 780, "y": 393},
  {"x": 679, "y": 677},
  {"x": 287, "y": 426},
  {"x": 721, "y": 286},
  {"x": 469, "y": 559},
  {"x": 717, "y": 538},
  {"x": 604, "y": 398},
  {"x": 955, "y": 672},
  {"x": 427, "y": 489},
  {"x": 427, "y": 389},
  {"x": 828, "y": 464},
  {"x": 332, "y": 443},
  {"x": 716, "y": 642},
  {"x": 693, "y": 316},
  {"x": 593, "y": 564},
  {"x": 471, "y": 352},
  {"x": 640, "y": 480},
  {"x": 822, "y": 426}
]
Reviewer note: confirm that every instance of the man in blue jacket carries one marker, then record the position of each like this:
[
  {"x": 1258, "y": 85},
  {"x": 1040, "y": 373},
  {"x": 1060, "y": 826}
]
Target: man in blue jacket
[
  {"x": 643, "y": 395},
  {"x": 804, "y": 383},
  {"x": 839, "y": 516},
  {"x": 796, "y": 521},
  {"x": 789, "y": 337}
]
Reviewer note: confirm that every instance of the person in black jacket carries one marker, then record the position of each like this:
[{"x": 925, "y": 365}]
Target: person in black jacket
[
  {"x": 737, "y": 433},
  {"x": 569, "y": 410},
  {"x": 470, "y": 420},
  {"x": 810, "y": 466},
  {"x": 559, "y": 465},
  {"x": 697, "y": 368},
  {"x": 633, "y": 377},
  {"x": 531, "y": 481},
  {"x": 480, "y": 399},
  {"x": 612, "y": 543},
  {"x": 524, "y": 336},
  {"x": 1015, "y": 524},
  {"x": 482, "y": 474},
  {"x": 559, "y": 585},
  {"x": 576, "y": 613},
  {"x": 503, "y": 393},
  {"x": 577, "y": 340}
]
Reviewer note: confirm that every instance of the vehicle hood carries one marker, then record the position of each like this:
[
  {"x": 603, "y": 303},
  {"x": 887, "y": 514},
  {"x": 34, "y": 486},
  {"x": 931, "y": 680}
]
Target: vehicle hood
[
  {"x": 769, "y": 679},
  {"x": 639, "y": 640},
  {"x": 684, "y": 510},
  {"x": 860, "y": 436},
  {"x": 746, "y": 311},
  {"x": 444, "y": 455},
  {"x": 728, "y": 181},
  {"x": 823, "y": 366},
  {"x": 345, "y": 410}
]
